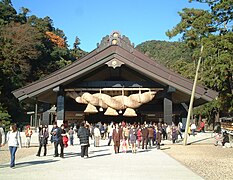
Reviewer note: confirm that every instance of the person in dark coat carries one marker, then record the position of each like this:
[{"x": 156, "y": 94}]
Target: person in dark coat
[
  {"x": 145, "y": 134},
  {"x": 159, "y": 135},
  {"x": 43, "y": 140},
  {"x": 57, "y": 139},
  {"x": 83, "y": 135},
  {"x": 225, "y": 138}
]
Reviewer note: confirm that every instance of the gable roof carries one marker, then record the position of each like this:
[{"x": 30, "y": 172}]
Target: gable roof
[{"x": 114, "y": 49}]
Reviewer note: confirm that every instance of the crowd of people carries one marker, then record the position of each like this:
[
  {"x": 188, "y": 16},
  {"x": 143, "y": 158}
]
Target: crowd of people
[{"x": 124, "y": 137}]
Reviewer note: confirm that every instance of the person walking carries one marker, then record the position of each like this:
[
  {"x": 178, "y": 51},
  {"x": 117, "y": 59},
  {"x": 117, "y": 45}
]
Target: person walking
[
  {"x": 43, "y": 140},
  {"x": 97, "y": 136},
  {"x": 71, "y": 136},
  {"x": 14, "y": 141},
  {"x": 28, "y": 134},
  {"x": 83, "y": 135},
  {"x": 57, "y": 140}
]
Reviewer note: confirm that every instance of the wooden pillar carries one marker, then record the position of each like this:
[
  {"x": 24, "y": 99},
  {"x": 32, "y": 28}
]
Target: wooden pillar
[
  {"x": 36, "y": 114},
  {"x": 167, "y": 108},
  {"x": 45, "y": 117},
  {"x": 60, "y": 106}
]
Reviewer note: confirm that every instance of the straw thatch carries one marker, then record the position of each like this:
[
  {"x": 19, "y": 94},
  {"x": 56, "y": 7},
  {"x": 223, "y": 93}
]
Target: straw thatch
[
  {"x": 136, "y": 97},
  {"x": 127, "y": 102},
  {"x": 111, "y": 112},
  {"x": 90, "y": 109},
  {"x": 116, "y": 102},
  {"x": 101, "y": 102},
  {"x": 129, "y": 112},
  {"x": 90, "y": 99},
  {"x": 80, "y": 100},
  {"x": 144, "y": 97},
  {"x": 109, "y": 101}
]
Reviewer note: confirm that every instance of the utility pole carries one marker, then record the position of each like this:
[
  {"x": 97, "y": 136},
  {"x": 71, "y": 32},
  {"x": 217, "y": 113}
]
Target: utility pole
[{"x": 192, "y": 99}]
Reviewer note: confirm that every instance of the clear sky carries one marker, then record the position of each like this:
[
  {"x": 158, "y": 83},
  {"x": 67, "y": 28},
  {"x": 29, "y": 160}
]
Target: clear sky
[{"x": 90, "y": 20}]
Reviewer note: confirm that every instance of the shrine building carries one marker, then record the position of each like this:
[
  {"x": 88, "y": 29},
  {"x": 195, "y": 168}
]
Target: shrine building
[{"x": 114, "y": 82}]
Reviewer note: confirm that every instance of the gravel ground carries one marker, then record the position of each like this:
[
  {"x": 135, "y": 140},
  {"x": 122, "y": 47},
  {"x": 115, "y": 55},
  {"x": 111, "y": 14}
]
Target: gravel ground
[{"x": 207, "y": 160}]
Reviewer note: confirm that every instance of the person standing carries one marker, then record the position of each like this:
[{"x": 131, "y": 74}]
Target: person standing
[
  {"x": 202, "y": 126},
  {"x": 2, "y": 135},
  {"x": 139, "y": 136},
  {"x": 64, "y": 137},
  {"x": 83, "y": 135},
  {"x": 145, "y": 134},
  {"x": 193, "y": 128},
  {"x": 43, "y": 140},
  {"x": 71, "y": 136},
  {"x": 159, "y": 135},
  {"x": 97, "y": 136},
  {"x": 14, "y": 141},
  {"x": 218, "y": 133},
  {"x": 125, "y": 135},
  {"x": 57, "y": 140},
  {"x": 180, "y": 126},
  {"x": 133, "y": 138},
  {"x": 175, "y": 132},
  {"x": 116, "y": 136},
  {"x": 150, "y": 136},
  {"x": 110, "y": 130},
  {"x": 164, "y": 131},
  {"x": 28, "y": 134}
]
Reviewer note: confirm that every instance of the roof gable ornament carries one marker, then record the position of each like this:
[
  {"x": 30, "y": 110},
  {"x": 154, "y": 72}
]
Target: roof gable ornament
[
  {"x": 114, "y": 63},
  {"x": 115, "y": 38}
]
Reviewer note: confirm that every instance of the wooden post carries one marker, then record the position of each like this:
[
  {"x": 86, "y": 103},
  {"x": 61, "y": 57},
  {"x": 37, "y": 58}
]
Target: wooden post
[{"x": 191, "y": 100}]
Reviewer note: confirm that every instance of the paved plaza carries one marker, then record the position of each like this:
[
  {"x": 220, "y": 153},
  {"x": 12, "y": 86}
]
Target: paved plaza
[{"x": 102, "y": 163}]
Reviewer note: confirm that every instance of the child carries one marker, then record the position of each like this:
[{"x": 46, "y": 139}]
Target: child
[{"x": 65, "y": 141}]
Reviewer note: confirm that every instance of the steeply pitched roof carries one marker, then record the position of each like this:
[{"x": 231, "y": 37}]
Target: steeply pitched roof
[{"x": 114, "y": 50}]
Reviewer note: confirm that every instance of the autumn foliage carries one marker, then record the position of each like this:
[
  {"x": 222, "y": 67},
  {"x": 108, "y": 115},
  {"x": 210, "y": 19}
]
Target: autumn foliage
[{"x": 56, "y": 39}]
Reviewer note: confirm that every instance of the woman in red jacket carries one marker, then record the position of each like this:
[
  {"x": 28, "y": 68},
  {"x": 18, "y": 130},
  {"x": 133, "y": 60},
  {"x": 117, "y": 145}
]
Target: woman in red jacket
[{"x": 139, "y": 136}]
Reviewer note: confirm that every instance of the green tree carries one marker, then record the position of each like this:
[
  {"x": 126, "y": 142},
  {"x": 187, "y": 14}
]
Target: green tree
[
  {"x": 211, "y": 29},
  {"x": 31, "y": 48},
  {"x": 222, "y": 11},
  {"x": 5, "y": 117},
  {"x": 7, "y": 12},
  {"x": 77, "y": 52}
]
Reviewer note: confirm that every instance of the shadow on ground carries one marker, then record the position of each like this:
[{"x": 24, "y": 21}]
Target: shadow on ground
[
  {"x": 99, "y": 155},
  {"x": 30, "y": 163}
]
